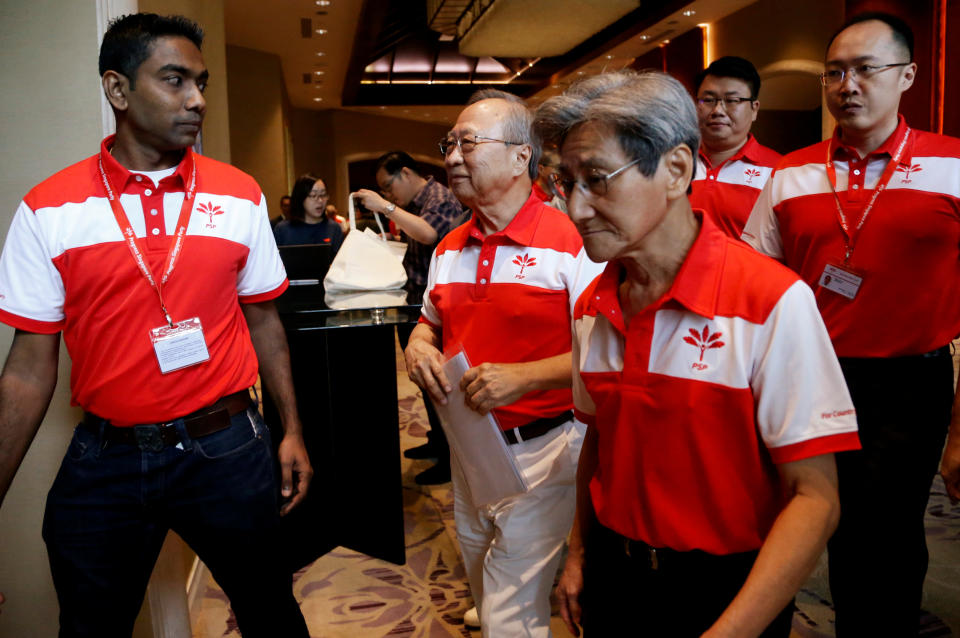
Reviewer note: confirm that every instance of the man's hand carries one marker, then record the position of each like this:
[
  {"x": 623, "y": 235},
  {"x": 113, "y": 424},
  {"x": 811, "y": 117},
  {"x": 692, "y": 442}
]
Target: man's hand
[
  {"x": 293, "y": 460},
  {"x": 950, "y": 465},
  {"x": 425, "y": 368},
  {"x": 492, "y": 385},
  {"x": 568, "y": 592},
  {"x": 371, "y": 201}
]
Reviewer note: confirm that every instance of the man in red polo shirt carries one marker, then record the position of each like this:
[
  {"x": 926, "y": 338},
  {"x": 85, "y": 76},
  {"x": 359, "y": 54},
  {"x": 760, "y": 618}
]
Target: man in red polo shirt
[
  {"x": 501, "y": 287},
  {"x": 869, "y": 220},
  {"x": 732, "y": 166},
  {"x": 158, "y": 266}
]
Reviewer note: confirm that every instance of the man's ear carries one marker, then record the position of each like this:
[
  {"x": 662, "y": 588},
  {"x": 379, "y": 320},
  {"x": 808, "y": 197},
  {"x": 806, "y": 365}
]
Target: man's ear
[
  {"x": 680, "y": 163},
  {"x": 522, "y": 159},
  {"x": 116, "y": 86}
]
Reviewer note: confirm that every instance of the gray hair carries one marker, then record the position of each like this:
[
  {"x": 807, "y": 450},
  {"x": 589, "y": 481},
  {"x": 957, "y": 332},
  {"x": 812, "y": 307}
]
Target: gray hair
[
  {"x": 517, "y": 127},
  {"x": 650, "y": 111}
]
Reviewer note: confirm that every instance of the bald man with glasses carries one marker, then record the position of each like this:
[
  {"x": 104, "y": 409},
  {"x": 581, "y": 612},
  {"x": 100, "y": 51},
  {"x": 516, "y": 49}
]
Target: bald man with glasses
[{"x": 869, "y": 220}]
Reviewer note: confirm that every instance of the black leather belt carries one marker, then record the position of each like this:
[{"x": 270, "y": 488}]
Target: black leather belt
[
  {"x": 156, "y": 436},
  {"x": 535, "y": 428}
]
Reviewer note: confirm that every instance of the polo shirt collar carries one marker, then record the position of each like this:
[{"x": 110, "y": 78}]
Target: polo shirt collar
[
  {"x": 839, "y": 150},
  {"x": 421, "y": 197},
  {"x": 749, "y": 152},
  {"x": 521, "y": 228},
  {"x": 696, "y": 286},
  {"x": 120, "y": 176}
]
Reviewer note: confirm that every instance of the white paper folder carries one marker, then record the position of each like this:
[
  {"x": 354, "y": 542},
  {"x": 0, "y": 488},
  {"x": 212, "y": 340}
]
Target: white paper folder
[{"x": 486, "y": 460}]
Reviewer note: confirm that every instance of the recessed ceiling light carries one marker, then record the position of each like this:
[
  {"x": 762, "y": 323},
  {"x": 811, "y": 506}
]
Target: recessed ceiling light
[
  {"x": 383, "y": 108},
  {"x": 609, "y": 57},
  {"x": 321, "y": 32},
  {"x": 644, "y": 37},
  {"x": 320, "y": 54},
  {"x": 665, "y": 42},
  {"x": 319, "y": 72},
  {"x": 689, "y": 12},
  {"x": 318, "y": 99},
  {"x": 444, "y": 37},
  {"x": 323, "y": 3},
  {"x": 406, "y": 110}
]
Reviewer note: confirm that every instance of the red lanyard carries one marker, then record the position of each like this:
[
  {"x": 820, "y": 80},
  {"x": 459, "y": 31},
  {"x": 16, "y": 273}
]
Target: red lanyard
[
  {"x": 131, "y": 238},
  {"x": 881, "y": 186}
]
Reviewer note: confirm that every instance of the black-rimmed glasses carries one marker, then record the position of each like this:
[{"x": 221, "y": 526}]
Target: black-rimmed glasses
[
  {"x": 832, "y": 77},
  {"x": 592, "y": 183},
  {"x": 467, "y": 144},
  {"x": 729, "y": 102}
]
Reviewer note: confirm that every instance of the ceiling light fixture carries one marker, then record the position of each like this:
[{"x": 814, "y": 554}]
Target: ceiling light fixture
[
  {"x": 320, "y": 54},
  {"x": 318, "y": 99},
  {"x": 319, "y": 72},
  {"x": 321, "y": 32},
  {"x": 644, "y": 37},
  {"x": 689, "y": 12},
  {"x": 323, "y": 3}
]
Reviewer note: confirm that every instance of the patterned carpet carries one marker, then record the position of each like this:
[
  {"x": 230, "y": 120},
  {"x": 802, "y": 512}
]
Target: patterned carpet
[{"x": 349, "y": 595}]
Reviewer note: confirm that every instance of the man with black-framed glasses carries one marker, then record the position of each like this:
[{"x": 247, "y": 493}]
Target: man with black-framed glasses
[
  {"x": 868, "y": 219},
  {"x": 732, "y": 166},
  {"x": 502, "y": 288}
]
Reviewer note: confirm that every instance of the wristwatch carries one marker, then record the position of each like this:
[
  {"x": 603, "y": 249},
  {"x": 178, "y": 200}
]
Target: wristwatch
[{"x": 390, "y": 208}]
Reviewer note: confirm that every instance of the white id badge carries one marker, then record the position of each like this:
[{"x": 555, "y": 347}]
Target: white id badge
[
  {"x": 181, "y": 346},
  {"x": 842, "y": 281}
]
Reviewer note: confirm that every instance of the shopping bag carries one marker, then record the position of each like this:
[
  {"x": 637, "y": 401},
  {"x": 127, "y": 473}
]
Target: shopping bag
[{"x": 364, "y": 262}]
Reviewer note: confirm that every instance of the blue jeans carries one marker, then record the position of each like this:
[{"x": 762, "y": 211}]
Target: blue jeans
[{"x": 111, "y": 505}]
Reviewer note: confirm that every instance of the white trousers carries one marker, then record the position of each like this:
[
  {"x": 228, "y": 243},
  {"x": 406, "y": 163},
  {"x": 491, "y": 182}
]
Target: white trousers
[{"x": 511, "y": 549}]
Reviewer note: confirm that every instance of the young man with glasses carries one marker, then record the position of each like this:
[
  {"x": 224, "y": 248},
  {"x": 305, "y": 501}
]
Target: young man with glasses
[
  {"x": 868, "y": 219},
  {"x": 732, "y": 166},
  {"x": 502, "y": 288}
]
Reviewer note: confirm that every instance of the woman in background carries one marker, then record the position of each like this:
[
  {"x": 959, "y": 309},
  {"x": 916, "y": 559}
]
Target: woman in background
[{"x": 308, "y": 222}]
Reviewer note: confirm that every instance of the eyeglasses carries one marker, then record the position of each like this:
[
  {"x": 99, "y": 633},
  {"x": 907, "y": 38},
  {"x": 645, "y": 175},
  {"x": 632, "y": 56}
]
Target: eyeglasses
[
  {"x": 386, "y": 187},
  {"x": 592, "y": 183},
  {"x": 317, "y": 194},
  {"x": 832, "y": 77},
  {"x": 709, "y": 102},
  {"x": 467, "y": 144}
]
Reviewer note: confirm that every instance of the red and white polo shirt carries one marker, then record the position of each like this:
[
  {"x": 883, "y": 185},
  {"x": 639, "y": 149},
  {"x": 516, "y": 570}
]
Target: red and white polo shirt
[
  {"x": 66, "y": 267},
  {"x": 908, "y": 250},
  {"x": 507, "y": 297},
  {"x": 728, "y": 374},
  {"x": 728, "y": 191}
]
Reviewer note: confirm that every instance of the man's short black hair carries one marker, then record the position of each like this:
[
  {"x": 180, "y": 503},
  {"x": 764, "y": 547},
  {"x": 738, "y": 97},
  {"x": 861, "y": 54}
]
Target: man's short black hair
[
  {"x": 395, "y": 161},
  {"x": 731, "y": 66},
  {"x": 126, "y": 44},
  {"x": 902, "y": 33}
]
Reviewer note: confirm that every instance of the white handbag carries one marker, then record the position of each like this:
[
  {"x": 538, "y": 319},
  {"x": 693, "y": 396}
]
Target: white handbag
[{"x": 364, "y": 262}]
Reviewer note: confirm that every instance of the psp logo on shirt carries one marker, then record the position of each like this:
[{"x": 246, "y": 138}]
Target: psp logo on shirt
[
  {"x": 703, "y": 341},
  {"x": 906, "y": 170},
  {"x": 210, "y": 210},
  {"x": 750, "y": 173},
  {"x": 524, "y": 261}
]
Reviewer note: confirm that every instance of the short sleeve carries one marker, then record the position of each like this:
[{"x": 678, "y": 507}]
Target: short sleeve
[
  {"x": 803, "y": 405},
  {"x": 428, "y": 312},
  {"x": 32, "y": 293},
  {"x": 762, "y": 230},
  {"x": 262, "y": 277},
  {"x": 583, "y": 407}
]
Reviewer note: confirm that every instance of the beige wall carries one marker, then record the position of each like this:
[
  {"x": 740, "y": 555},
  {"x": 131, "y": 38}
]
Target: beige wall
[
  {"x": 325, "y": 141},
  {"x": 51, "y": 118},
  {"x": 209, "y": 14},
  {"x": 256, "y": 96}
]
